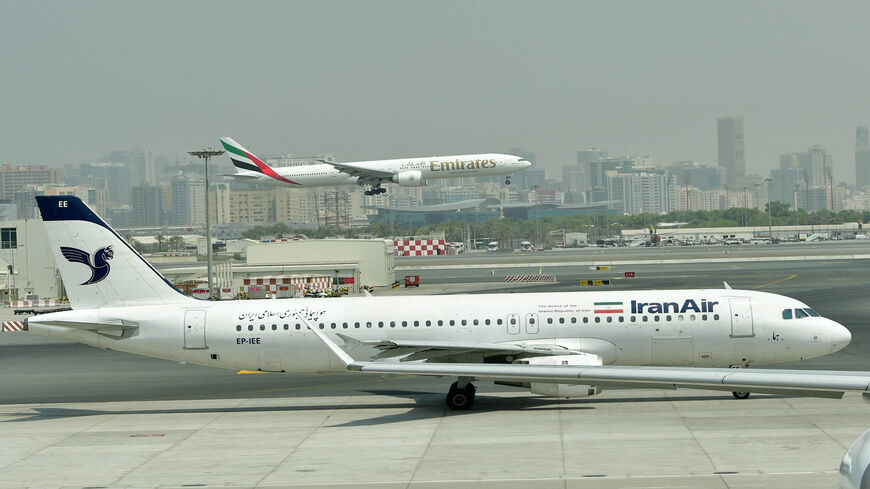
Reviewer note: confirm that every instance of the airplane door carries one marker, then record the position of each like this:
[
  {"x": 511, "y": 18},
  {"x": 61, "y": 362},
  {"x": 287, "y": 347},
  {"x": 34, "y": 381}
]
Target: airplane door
[
  {"x": 741, "y": 317},
  {"x": 194, "y": 329},
  {"x": 513, "y": 324},
  {"x": 532, "y": 323}
]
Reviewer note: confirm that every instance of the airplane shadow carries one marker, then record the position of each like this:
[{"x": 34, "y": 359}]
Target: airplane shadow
[{"x": 426, "y": 405}]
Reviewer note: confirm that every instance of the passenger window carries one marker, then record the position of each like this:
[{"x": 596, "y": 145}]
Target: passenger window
[
  {"x": 656, "y": 318},
  {"x": 716, "y": 317},
  {"x": 298, "y": 326},
  {"x": 585, "y": 320},
  {"x": 812, "y": 312},
  {"x": 680, "y": 317},
  {"x": 476, "y": 322},
  {"x": 250, "y": 327},
  {"x": 498, "y": 321},
  {"x": 332, "y": 325},
  {"x": 668, "y": 317},
  {"x": 380, "y": 324},
  {"x": 692, "y": 317},
  {"x": 800, "y": 314},
  {"x": 321, "y": 325},
  {"x": 416, "y": 324},
  {"x": 428, "y": 323},
  {"x": 452, "y": 322},
  {"x": 238, "y": 327},
  {"x": 464, "y": 322},
  {"x": 597, "y": 319},
  {"x": 703, "y": 317},
  {"x": 486, "y": 322},
  {"x": 634, "y": 319},
  {"x": 440, "y": 322},
  {"x": 356, "y": 325},
  {"x": 274, "y": 327},
  {"x": 263, "y": 327},
  {"x": 404, "y": 324},
  {"x": 392, "y": 324},
  {"x": 609, "y": 319},
  {"x": 513, "y": 321},
  {"x": 561, "y": 320},
  {"x": 621, "y": 319},
  {"x": 645, "y": 318},
  {"x": 549, "y": 320},
  {"x": 573, "y": 320},
  {"x": 286, "y": 326}
]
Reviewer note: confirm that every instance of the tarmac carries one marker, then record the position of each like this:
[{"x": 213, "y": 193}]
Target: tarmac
[{"x": 72, "y": 416}]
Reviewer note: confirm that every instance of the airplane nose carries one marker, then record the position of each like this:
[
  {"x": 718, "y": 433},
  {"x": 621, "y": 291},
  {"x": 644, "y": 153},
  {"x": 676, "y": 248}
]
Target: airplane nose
[{"x": 840, "y": 337}]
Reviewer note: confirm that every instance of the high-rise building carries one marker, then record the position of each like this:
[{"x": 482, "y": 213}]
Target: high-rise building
[
  {"x": 16, "y": 178},
  {"x": 109, "y": 176},
  {"x": 817, "y": 165},
  {"x": 590, "y": 155},
  {"x": 782, "y": 185},
  {"x": 862, "y": 157},
  {"x": 642, "y": 192},
  {"x": 188, "y": 200},
  {"x": 696, "y": 175},
  {"x": 146, "y": 206},
  {"x": 731, "y": 152}
]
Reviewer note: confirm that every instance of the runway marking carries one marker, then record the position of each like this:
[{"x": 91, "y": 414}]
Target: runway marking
[
  {"x": 735, "y": 267},
  {"x": 246, "y": 372},
  {"x": 777, "y": 281}
]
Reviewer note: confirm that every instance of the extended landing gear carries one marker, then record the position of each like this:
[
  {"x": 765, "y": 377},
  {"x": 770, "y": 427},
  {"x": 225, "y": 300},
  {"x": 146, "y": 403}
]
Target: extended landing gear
[
  {"x": 740, "y": 395},
  {"x": 507, "y": 180},
  {"x": 461, "y": 398},
  {"x": 375, "y": 190}
]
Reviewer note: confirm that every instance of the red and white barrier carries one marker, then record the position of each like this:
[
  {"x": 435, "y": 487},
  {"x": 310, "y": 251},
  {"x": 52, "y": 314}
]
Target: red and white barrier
[
  {"x": 37, "y": 303},
  {"x": 530, "y": 278},
  {"x": 13, "y": 326},
  {"x": 420, "y": 247}
]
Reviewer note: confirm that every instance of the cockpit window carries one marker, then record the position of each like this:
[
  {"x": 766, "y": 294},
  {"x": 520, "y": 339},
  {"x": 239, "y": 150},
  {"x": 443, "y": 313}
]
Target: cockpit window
[
  {"x": 812, "y": 313},
  {"x": 799, "y": 313},
  {"x": 786, "y": 313}
]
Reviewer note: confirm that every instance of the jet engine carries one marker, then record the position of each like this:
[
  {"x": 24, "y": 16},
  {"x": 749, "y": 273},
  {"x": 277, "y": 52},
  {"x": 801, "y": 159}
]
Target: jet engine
[
  {"x": 411, "y": 178},
  {"x": 560, "y": 390}
]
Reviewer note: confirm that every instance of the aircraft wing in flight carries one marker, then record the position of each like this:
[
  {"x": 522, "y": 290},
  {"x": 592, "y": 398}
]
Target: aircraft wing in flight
[{"x": 365, "y": 176}]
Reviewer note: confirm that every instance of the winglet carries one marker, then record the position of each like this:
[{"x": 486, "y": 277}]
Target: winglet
[
  {"x": 347, "y": 359},
  {"x": 726, "y": 285}
]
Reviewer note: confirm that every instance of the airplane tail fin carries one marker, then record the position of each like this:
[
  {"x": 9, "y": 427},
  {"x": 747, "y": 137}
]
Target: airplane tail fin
[
  {"x": 246, "y": 161},
  {"x": 98, "y": 267}
]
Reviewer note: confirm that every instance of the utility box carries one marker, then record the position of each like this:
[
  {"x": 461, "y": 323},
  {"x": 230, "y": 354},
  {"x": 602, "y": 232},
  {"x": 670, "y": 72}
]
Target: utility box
[
  {"x": 256, "y": 292},
  {"x": 226, "y": 294},
  {"x": 285, "y": 291}
]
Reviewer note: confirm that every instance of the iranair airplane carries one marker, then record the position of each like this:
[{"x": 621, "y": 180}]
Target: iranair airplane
[
  {"x": 406, "y": 172},
  {"x": 568, "y": 344}
]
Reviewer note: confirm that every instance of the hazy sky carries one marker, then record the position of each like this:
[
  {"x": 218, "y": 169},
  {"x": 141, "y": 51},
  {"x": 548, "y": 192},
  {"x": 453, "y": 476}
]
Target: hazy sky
[{"x": 375, "y": 79}]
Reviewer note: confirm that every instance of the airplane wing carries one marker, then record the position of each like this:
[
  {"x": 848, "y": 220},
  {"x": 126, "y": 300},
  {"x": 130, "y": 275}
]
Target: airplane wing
[
  {"x": 814, "y": 383},
  {"x": 429, "y": 350},
  {"x": 365, "y": 175}
]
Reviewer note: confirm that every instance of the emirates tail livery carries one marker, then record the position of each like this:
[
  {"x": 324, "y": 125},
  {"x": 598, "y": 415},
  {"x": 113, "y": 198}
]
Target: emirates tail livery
[
  {"x": 557, "y": 344},
  {"x": 407, "y": 172}
]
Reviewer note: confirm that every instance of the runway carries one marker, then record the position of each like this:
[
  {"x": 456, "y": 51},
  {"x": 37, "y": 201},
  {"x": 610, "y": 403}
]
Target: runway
[{"x": 74, "y": 416}]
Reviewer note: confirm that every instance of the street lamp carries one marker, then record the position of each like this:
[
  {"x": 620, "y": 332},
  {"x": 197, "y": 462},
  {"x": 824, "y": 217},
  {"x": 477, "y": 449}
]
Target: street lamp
[
  {"x": 206, "y": 154},
  {"x": 769, "y": 232},
  {"x": 537, "y": 225}
]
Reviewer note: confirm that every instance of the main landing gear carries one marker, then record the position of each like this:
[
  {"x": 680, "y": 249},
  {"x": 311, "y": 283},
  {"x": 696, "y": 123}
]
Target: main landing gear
[
  {"x": 375, "y": 190},
  {"x": 461, "y": 398},
  {"x": 740, "y": 395}
]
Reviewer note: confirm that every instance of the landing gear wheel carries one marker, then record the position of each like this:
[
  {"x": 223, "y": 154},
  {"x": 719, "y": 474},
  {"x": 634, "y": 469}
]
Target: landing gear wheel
[
  {"x": 460, "y": 399},
  {"x": 740, "y": 395},
  {"x": 507, "y": 181}
]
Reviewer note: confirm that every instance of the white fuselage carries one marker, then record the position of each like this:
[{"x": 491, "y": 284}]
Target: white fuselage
[
  {"x": 436, "y": 167},
  {"x": 704, "y": 328}
]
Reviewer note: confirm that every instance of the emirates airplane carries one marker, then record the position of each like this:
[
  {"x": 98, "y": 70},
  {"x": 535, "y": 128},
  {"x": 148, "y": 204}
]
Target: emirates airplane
[
  {"x": 556, "y": 344},
  {"x": 407, "y": 172}
]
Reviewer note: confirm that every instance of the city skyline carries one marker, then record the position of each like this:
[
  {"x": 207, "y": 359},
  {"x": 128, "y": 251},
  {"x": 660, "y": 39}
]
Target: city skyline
[{"x": 551, "y": 78}]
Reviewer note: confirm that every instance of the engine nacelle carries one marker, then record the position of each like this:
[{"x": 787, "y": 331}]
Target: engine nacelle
[
  {"x": 410, "y": 178},
  {"x": 565, "y": 390}
]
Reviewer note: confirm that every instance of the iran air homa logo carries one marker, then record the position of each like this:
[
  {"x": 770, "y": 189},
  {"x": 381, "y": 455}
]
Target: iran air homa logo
[{"x": 100, "y": 267}]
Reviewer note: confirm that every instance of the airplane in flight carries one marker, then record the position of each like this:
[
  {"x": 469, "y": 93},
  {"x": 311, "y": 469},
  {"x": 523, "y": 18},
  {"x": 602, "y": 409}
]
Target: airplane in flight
[
  {"x": 569, "y": 344},
  {"x": 406, "y": 172}
]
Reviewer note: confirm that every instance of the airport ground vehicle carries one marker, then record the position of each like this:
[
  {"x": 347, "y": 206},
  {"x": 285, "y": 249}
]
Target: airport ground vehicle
[{"x": 492, "y": 246}]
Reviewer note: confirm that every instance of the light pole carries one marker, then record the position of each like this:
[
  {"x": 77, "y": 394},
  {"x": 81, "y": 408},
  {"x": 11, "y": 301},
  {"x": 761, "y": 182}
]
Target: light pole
[
  {"x": 206, "y": 154},
  {"x": 797, "y": 211},
  {"x": 744, "y": 205},
  {"x": 537, "y": 225},
  {"x": 757, "y": 185},
  {"x": 769, "y": 232}
]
